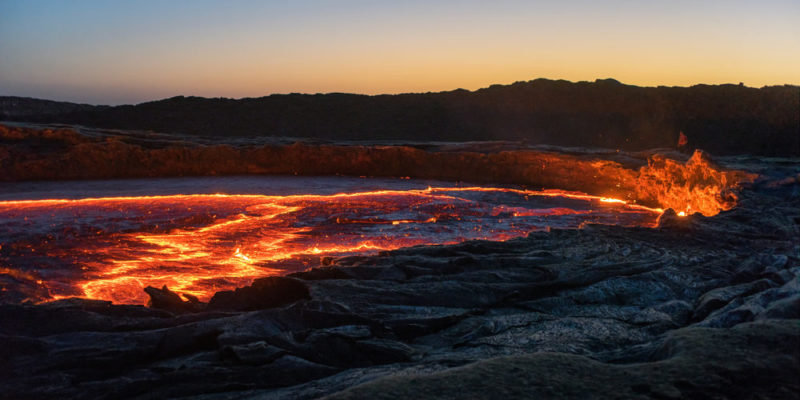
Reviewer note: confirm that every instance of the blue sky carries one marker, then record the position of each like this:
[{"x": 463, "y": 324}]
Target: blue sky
[{"x": 112, "y": 52}]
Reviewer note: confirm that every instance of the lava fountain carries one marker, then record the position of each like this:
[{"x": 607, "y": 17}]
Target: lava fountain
[{"x": 112, "y": 247}]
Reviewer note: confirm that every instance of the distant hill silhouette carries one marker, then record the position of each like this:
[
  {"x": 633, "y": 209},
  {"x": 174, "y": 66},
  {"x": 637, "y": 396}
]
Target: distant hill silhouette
[{"x": 722, "y": 119}]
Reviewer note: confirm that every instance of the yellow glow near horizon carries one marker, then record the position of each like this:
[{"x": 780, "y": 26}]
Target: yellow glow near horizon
[{"x": 112, "y": 53}]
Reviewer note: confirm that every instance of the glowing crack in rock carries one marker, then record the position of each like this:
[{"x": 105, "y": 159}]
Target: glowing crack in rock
[{"x": 111, "y": 248}]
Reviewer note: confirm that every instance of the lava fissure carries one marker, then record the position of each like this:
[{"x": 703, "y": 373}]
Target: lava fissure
[{"x": 112, "y": 248}]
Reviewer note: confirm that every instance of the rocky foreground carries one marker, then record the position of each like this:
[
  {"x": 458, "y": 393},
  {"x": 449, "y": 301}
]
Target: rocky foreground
[{"x": 697, "y": 308}]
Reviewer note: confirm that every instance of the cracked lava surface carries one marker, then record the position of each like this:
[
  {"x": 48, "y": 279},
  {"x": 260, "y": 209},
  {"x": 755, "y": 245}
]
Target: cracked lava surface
[{"x": 110, "y": 248}]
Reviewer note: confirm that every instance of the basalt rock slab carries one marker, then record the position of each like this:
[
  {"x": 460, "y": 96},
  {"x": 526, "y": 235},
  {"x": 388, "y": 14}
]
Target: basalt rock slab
[
  {"x": 723, "y": 359},
  {"x": 165, "y": 299},
  {"x": 264, "y": 293}
]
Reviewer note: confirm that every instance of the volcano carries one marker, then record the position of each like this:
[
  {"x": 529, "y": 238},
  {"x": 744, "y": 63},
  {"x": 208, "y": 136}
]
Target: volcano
[{"x": 280, "y": 269}]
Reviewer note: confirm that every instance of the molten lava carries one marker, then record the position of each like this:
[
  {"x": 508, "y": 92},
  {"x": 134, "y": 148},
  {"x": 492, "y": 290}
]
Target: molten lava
[
  {"x": 695, "y": 186},
  {"x": 111, "y": 248}
]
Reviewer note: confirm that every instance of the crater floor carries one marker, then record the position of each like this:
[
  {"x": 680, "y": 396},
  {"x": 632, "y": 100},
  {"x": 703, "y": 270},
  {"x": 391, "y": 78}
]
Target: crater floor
[{"x": 697, "y": 307}]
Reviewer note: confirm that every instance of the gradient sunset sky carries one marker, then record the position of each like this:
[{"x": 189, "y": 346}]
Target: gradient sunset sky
[{"x": 114, "y": 52}]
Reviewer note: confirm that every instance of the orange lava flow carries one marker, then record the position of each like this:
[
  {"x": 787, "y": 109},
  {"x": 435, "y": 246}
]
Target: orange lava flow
[
  {"x": 696, "y": 186},
  {"x": 201, "y": 244}
]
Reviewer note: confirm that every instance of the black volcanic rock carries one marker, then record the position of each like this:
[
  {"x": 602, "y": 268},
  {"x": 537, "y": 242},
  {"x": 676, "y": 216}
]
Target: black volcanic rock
[
  {"x": 165, "y": 299},
  {"x": 269, "y": 292},
  {"x": 722, "y": 119},
  {"x": 721, "y": 358}
]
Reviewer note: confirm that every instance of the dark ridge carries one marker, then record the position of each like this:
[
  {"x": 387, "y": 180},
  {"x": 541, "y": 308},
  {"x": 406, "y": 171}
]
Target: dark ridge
[
  {"x": 723, "y": 119},
  {"x": 22, "y": 108}
]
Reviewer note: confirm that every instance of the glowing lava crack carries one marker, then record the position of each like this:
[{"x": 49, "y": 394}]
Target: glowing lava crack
[{"x": 111, "y": 248}]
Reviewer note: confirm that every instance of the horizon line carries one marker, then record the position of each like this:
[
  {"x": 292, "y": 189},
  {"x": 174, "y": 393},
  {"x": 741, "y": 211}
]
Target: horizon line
[{"x": 597, "y": 80}]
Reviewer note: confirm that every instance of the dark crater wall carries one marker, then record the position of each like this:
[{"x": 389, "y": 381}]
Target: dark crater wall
[
  {"x": 666, "y": 179},
  {"x": 721, "y": 119}
]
